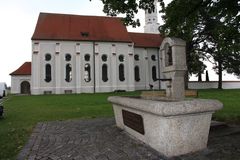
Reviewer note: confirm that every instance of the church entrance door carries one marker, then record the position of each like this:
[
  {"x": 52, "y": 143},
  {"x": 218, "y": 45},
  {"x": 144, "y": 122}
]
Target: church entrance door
[{"x": 25, "y": 87}]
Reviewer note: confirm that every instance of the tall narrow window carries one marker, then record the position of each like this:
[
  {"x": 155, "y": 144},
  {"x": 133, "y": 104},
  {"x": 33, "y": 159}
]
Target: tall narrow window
[
  {"x": 154, "y": 73},
  {"x": 48, "y": 73},
  {"x": 121, "y": 72},
  {"x": 104, "y": 73},
  {"x": 137, "y": 73},
  {"x": 68, "y": 73},
  {"x": 87, "y": 72}
]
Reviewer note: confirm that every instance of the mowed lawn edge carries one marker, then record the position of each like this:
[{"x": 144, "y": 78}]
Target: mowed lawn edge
[{"x": 24, "y": 112}]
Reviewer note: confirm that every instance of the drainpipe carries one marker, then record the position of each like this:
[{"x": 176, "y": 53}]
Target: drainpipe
[{"x": 94, "y": 78}]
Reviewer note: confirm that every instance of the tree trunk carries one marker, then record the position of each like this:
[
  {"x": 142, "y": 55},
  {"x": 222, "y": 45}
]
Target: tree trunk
[
  {"x": 219, "y": 74},
  {"x": 199, "y": 77},
  {"x": 207, "y": 76}
]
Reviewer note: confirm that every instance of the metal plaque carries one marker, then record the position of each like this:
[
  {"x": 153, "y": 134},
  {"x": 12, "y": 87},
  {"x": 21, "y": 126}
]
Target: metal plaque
[{"x": 133, "y": 121}]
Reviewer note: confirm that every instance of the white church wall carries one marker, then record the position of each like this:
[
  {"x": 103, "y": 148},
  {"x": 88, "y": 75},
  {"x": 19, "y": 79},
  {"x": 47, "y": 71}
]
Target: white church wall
[
  {"x": 86, "y": 48},
  {"x": 104, "y": 51},
  {"x": 16, "y": 83},
  {"x": 35, "y": 85},
  {"x": 58, "y": 84},
  {"x": 46, "y": 48},
  {"x": 125, "y": 50},
  {"x": 78, "y": 50},
  {"x": 153, "y": 62},
  {"x": 143, "y": 68},
  {"x": 145, "y": 64},
  {"x": 68, "y": 48}
]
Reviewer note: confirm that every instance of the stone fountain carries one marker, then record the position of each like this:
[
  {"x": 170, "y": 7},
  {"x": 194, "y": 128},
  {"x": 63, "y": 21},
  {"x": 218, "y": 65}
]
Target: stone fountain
[{"x": 172, "y": 125}]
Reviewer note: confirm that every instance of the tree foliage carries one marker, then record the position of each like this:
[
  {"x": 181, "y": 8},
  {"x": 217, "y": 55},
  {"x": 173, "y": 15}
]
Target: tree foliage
[
  {"x": 211, "y": 29},
  {"x": 128, "y": 8}
]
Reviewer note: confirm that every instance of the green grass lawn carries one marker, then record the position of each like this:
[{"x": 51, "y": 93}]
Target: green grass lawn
[
  {"x": 23, "y": 112},
  {"x": 231, "y": 100}
]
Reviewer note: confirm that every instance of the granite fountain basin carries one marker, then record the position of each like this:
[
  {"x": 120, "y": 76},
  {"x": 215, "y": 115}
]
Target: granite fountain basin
[{"x": 171, "y": 127}]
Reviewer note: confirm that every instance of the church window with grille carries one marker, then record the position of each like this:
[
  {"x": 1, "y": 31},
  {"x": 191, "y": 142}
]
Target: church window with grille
[
  {"x": 68, "y": 77},
  {"x": 87, "y": 72},
  {"x": 121, "y": 72},
  {"x": 48, "y": 73},
  {"x": 137, "y": 73},
  {"x": 104, "y": 72},
  {"x": 154, "y": 73}
]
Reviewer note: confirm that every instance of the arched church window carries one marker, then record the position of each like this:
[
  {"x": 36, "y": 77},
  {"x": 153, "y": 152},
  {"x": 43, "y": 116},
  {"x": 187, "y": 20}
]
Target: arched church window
[
  {"x": 154, "y": 73},
  {"x": 136, "y": 57},
  {"x": 68, "y": 57},
  {"x": 87, "y": 57},
  {"x": 121, "y": 58},
  {"x": 121, "y": 72},
  {"x": 104, "y": 72},
  {"x": 137, "y": 73},
  {"x": 104, "y": 58},
  {"x": 68, "y": 77},
  {"x": 87, "y": 72},
  {"x": 153, "y": 57},
  {"x": 48, "y": 57},
  {"x": 48, "y": 73}
]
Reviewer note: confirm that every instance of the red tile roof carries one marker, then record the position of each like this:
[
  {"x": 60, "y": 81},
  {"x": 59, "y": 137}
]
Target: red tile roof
[
  {"x": 75, "y": 27},
  {"x": 146, "y": 39},
  {"x": 24, "y": 69}
]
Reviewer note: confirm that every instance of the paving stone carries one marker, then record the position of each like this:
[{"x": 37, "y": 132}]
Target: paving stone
[{"x": 100, "y": 139}]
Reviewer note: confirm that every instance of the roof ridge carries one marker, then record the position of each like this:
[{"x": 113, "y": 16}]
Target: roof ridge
[
  {"x": 62, "y": 14},
  {"x": 145, "y": 33}
]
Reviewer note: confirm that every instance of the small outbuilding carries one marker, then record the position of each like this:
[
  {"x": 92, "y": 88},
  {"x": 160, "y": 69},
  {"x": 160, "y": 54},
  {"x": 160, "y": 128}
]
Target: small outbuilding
[{"x": 21, "y": 79}]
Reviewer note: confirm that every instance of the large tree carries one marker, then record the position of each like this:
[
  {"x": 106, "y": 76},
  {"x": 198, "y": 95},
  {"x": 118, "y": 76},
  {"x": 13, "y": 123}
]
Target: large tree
[{"x": 210, "y": 28}]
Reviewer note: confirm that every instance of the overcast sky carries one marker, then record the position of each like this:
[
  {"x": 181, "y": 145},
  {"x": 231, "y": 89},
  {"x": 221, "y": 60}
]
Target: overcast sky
[{"x": 17, "y": 23}]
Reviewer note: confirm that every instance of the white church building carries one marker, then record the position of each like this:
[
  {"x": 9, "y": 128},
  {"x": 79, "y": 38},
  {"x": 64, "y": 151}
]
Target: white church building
[{"x": 88, "y": 54}]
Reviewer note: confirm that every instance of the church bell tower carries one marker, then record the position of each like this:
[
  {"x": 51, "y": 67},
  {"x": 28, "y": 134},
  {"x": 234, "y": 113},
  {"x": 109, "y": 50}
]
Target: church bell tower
[{"x": 151, "y": 20}]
